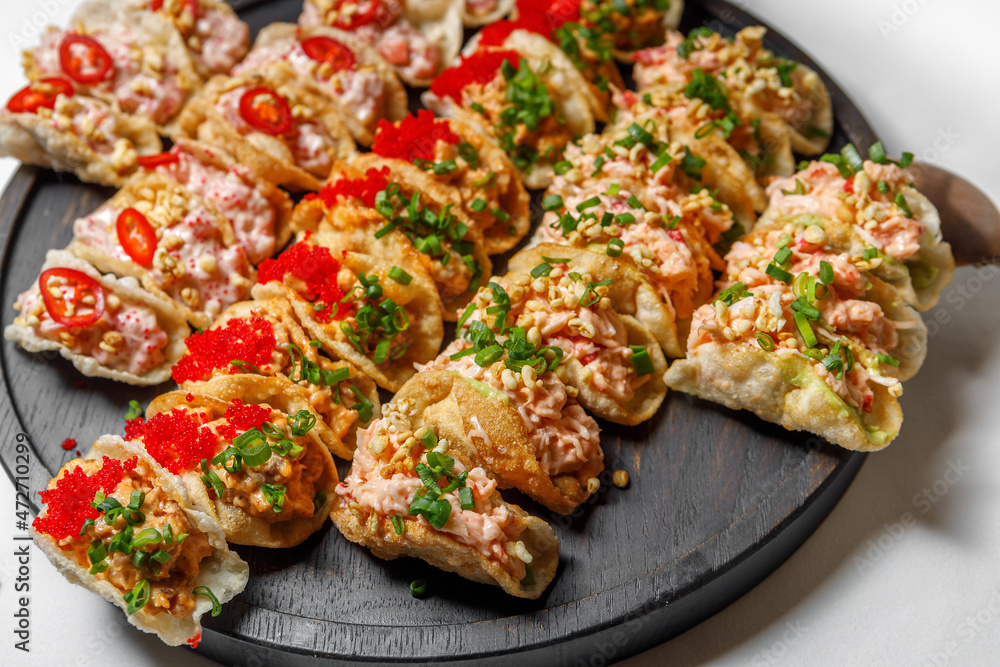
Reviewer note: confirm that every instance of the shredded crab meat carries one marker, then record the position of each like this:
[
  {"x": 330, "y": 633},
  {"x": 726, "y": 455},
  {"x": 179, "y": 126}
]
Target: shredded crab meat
[
  {"x": 382, "y": 482},
  {"x": 564, "y": 435},
  {"x": 856, "y": 201}
]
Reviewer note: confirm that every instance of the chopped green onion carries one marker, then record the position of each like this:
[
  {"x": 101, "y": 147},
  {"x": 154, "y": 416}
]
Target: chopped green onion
[
  {"x": 556, "y": 260},
  {"x": 853, "y": 158},
  {"x": 825, "y": 272},
  {"x": 398, "y": 525},
  {"x": 783, "y": 255},
  {"x": 275, "y": 494},
  {"x": 560, "y": 168},
  {"x": 552, "y": 202},
  {"x": 205, "y": 591},
  {"x": 478, "y": 205},
  {"x": 96, "y": 552},
  {"x": 400, "y": 276},
  {"x": 887, "y": 359},
  {"x": 134, "y": 410},
  {"x": 800, "y": 189},
  {"x": 161, "y": 556},
  {"x": 418, "y": 587},
  {"x": 336, "y": 376},
  {"x": 252, "y": 446},
  {"x": 615, "y": 248},
  {"x": 613, "y": 190},
  {"x": 877, "y": 153},
  {"x": 541, "y": 270},
  {"x": 588, "y": 203},
  {"x": 883, "y": 187},
  {"x": 839, "y": 162},
  {"x": 529, "y": 574},
  {"x": 765, "y": 341},
  {"x": 137, "y": 598},
  {"x": 465, "y": 499},
  {"x": 870, "y": 253},
  {"x": 245, "y": 366},
  {"x": 901, "y": 202},
  {"x": 302, "y": 422},
  {"x": 224, "y": 457},
  {"x": 641, "y": 135},
  {"x": 641, "y": 362},
  {"x": 808, "y": 335},
  {"x": 778, "y": 273},
  {"x": 86, "y": 524},
  {"x": 906, "y": 160}
]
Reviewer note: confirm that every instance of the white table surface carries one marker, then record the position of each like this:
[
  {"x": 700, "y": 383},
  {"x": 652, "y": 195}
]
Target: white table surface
[{"x": 904, "y": 571}]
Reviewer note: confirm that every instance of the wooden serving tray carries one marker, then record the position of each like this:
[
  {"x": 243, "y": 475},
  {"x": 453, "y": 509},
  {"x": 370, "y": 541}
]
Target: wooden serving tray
[{"x": 717, "y": 500}]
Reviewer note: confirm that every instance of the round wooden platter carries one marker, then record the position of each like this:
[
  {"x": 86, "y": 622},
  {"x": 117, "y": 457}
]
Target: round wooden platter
[{"x": 717, "y": 499}]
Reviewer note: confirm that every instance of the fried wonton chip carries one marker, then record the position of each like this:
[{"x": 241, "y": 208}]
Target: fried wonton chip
[
  {"x": 381, "y": 317},
  {"x": 386, "y": 505},
  {"x": 265, "y": 475},
  {"x": 251, "y": 117},
  {"x": 172, "y": 241},
  {"x": 253, "y": 340},
  {"x": 99, "y": 338},
  {"x": 163, "y": 597},
  {"x": 214, "y": 35},
  {"x": 485, "y": 423}
]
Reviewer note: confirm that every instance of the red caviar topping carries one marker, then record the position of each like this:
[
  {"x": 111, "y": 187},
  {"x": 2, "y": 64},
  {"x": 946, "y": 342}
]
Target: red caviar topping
[
  {"x": 68, "y": 444},
  {"x": 480, "y": 67},
  {"x": 246, "y": 417},
  {"x": 68, "y": 502},
  {"x": 176, "y": 439},
  {"x": 542, "y": 18},
  {"x": 413, "y": 138},
  {"x": 249, "y": 340},
  {"x": 316, "y": 271},
  {"x": 364, "y": 188}
]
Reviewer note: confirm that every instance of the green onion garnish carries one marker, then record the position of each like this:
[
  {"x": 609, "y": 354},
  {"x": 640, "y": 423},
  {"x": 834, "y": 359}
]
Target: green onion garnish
[
  {"x": 541, "y": 270},
  {"x": 418, "y": 587},
  {"x": 887, "y": 359},
  {"x": 252, "y": 446},
  {"x": 465, "y": 499},
  {"x": 778, "y": 273},
  {"x": 877, "y": 153},
  {"x": 870, "y": 253},
  {"x": 615, "y": 248},
  {"x": 883, "y": 187},
  {"x": 765, "y": 341},
  {"x": 588, "y": 203},
  {"x": 900, "y": 201},
  {"x": 134, "y": 410},
  {"x": 825, "y": 272},
  {"x": 478, "y": 205},
  {"x": 853, "y": 158},
  {"x": 552, "y": 202},
  {"x": 641, "y": 362},
  {"x": 137, "y": 598},
  {"x": 529, "y": 576},
  {"x": 207, "y": 592},
  {"x": 782, "y": 256},
  {"x": 400, "y": 276},
  {"x": 808, "y": 335},
  {"x": 398, "y": 525},
  {"x": 275, "y": 494}
]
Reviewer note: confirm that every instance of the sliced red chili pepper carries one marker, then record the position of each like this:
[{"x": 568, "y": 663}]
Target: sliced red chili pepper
[
  {"x": 266, "y": 111},
  {"x": 158, "y": 160},
  {"x": 328, "y": 50},
  {"x": 136, "y": 236},
  {"x": 80, "y": 285},
  {"x": 357, "y": 18},
  {"x": 93, "y": 66},
  {"x": 40, "y": 94}
]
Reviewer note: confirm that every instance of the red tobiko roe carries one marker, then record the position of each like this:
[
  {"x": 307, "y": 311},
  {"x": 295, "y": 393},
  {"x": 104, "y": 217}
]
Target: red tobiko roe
[
  {"x": 365, "y": 188},
  {"x": 249, "y": 340},
  {"x": 68, "y": 502},
  {"x": 68, "y": 444},
  {"x": 413, "y": 138},
  {"x": 480, "y": 67},
  {"x": 242, "y": 418},
  {"x": 314, "y": 266},
  {"x": 542, "y": 18},
  {"x": 176, "y": 439}
]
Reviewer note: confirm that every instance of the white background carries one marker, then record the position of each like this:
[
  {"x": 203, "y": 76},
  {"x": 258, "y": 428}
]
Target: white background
[{"x": 905, "y": 570}]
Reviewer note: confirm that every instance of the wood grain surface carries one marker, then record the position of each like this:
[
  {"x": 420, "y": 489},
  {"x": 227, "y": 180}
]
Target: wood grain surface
[{"x": 717, "y": 499}]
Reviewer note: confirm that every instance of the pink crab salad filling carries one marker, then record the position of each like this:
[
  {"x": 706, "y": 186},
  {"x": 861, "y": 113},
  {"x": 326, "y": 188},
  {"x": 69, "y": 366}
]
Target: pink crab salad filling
[
  {"x": 236, "y": 196},
  {"x": 310, "y": 144},
  {"x": 127, "y": 337},
  {"x": 371, "y": 489},
  {"x": 193, "y": 266},
  {"x": 409, "y": 51},
  {"x": 88, "y": 119},
  {"x": 564, "y": 435},
  {"x": 359, "y": 92},
  {"x": 856, "y": 201},
  {"x": 223, "y": 39},
  {"x": 662, "y": 64},
  {"x": 134, "y": 87}
]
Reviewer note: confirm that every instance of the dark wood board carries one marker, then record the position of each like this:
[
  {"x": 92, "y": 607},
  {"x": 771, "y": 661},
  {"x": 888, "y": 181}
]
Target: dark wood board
[{"x": 717, "y": 501}]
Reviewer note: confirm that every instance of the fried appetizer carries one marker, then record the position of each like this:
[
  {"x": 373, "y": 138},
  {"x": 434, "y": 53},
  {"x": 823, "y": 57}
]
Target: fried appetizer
[
  {"x": 601, "y": 316},
  {"x": 381, "y": 317},
  {"x": 401, "y": 216},
  {"x": 757, "y": 81},
  {"x": 416, "y": 37},
  {"x": 670, "y": 250},
  {"x": 162, "y": 234},
  {"x": 283, "y": 132},
  {"x": 117, "y": 524},
  {"x": 528, "y": 97},
  {"x": 701, "y": 109},
  {"x": 491, "y": 192},
  {"x": 523, "y": 422},
  {"x": 340, "y": 66},
  {"x": 105, "y": 326},
  {"x": 136, "y": 62},
  {"x": 633, "y": 24},
  {"x": 409, "y": 494},
  {"x": 214, "y": 35},
  {"x": 46, "y": 124},
  {"x": 805, "y": 336},
  {"x": 258, "y": 212},
  {"x": 258, "y": 469},
  {"x": 589, "y": 50},
  {"x": 261, "y": 345},
  {"x": 899, "y": 226}
]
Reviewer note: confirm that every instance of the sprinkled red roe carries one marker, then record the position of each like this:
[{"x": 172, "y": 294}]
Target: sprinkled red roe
[
  {"x": 248, "y": 340},
  {"x": 542, "y": 18},
  {"x": 68, "y": 502},
  {"x": 176, "y": 439},
  {"x": 68, "y": 444},
  {"x": 364, "y": 188},
  {"x": 480, "y": 67},
  {"x": 413, "y": 138},
  {"x": 316, "y": 268},
  {"x": 179, "y": 439}
]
